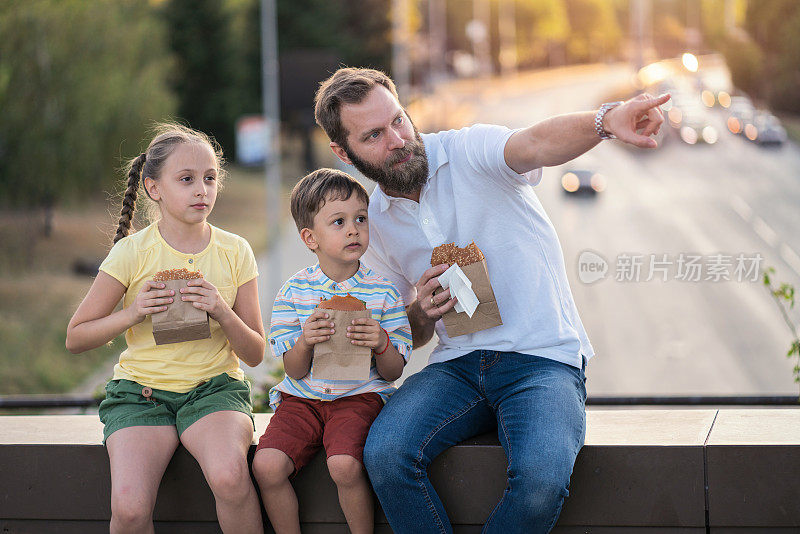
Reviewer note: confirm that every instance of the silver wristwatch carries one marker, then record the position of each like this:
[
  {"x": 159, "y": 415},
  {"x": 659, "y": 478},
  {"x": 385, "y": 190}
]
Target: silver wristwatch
[{"x": 598, "y": 119}]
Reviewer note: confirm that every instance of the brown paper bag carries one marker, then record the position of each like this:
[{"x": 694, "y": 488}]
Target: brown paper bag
[
  {"x": 337, "y": 358},
  {"x": 487, "y": 314},
  {"x": 181, "y": 321}
]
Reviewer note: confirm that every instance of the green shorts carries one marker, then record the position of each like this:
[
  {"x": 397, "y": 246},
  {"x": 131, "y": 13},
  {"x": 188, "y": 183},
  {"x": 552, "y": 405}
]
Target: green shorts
[{"x": 125, "y": 405}]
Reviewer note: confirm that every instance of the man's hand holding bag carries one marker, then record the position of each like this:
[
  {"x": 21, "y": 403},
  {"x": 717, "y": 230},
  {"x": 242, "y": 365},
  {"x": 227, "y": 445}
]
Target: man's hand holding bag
[{"x": 468, "y": 275}]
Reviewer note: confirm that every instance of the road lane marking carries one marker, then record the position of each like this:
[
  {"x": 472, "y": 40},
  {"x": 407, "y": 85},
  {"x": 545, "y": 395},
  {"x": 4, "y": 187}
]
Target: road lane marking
[
  {"x": 790, "y": 257},
  {"x": 764, "y": 231},
  {"x": 741, "y": 207}
]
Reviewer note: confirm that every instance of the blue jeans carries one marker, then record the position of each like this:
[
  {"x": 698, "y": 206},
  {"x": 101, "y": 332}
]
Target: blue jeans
[{"x": 536, "y": 405}]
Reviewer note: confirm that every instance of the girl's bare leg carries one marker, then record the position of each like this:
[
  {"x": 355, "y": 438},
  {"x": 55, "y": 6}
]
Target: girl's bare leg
[
  {"x": 219, "y": 442},
  {"x": 138, "y": 456}
]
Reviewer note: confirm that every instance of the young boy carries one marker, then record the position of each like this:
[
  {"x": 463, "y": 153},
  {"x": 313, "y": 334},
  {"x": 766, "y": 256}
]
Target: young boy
[{"x": 330, "y": 210}]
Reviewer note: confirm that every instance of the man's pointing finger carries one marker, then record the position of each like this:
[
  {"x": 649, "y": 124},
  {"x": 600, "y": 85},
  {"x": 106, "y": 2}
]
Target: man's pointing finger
[{"x": 650, "y": 102}]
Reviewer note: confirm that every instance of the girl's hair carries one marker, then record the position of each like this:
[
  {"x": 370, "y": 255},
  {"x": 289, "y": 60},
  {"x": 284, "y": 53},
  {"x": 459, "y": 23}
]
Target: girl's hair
[{"x": 149, "y": 163}]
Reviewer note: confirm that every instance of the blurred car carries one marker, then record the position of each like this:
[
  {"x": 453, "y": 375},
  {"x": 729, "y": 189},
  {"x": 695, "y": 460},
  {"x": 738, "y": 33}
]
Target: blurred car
[
  {"x": 677, "y": 106},
  {"x": 741, "y": 101},
  {"x": 741, "y": 113},
  {"x": 583, "y": 182},
  {"x": 695, "y": 128},
  {"x": 716, "y": 88},
  {"x": 765, "y": 129},
  {"x": 690, "y": 120}
]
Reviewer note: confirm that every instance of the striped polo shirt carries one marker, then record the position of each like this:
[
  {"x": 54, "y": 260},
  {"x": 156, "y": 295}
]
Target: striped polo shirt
[{"x": 297, "y": 300}]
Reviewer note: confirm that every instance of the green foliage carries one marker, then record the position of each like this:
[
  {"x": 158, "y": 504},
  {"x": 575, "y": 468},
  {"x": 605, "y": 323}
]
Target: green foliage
[
  {"x": 746, "y": 63},
  {"x": 715, "y": 18},
  {"x": 785, "y": 88},
  {"x": 32, "y": 355},
  {"x": 458, "y": 14},
  {"x": 542, "y": 26},
  {"x": 548, "y": 32},
  {"x": 792, "y": 124},
  {"x": 217, "y": 46},
  {"x": 595, "y": 32},
  {"x": 245, "y": 19},
  {"x": 76, "y": 79},
  {"x": 783, "y": 296},
  {"x": 551, "y": 22},
  {"x": 204, "y": 77},
  {"x": 261, "y": 398},
  {"x": 261, "y": 401},
  {"x": 358, "y": 31},
  {"x": 770, "y": 68}
]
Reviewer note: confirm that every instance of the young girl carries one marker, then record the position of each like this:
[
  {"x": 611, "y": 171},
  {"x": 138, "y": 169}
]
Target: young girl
[{"x": 193, "y": 392}]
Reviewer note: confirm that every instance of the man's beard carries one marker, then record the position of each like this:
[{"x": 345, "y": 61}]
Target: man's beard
[{"x": 408, "y": 178}]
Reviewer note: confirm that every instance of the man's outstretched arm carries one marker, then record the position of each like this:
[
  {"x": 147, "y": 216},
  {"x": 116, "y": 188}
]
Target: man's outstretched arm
[{"x": 559, "y": 139}]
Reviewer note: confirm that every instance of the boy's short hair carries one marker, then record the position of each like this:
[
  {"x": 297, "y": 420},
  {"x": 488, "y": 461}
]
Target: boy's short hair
[{"x": 311, "y": 193}]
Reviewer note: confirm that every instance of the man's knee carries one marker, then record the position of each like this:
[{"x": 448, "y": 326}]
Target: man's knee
[
  {"x": 386, "y": 454},
  {"x": 374, "y": 452},
  {"x": 539, "y": 489}
]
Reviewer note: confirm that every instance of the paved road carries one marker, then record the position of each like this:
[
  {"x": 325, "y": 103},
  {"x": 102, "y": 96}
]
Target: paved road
[{"x": 651, "y": 337}]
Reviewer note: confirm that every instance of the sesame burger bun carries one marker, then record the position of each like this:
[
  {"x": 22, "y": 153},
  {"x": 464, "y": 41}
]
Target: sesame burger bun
[{"x": 348, "y": 303}]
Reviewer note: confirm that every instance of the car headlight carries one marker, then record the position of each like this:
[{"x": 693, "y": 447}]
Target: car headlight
[
  {"x": 598, "y": 182},
  {"x": 570, "y": 182},
  {"x": 710, "y": 135},
  {"x": 688, "y": 135},
  {"x": 708, "y": 98}
]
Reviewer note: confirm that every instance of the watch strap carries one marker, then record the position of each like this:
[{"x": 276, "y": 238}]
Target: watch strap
[{"x": 598, "y": 119}]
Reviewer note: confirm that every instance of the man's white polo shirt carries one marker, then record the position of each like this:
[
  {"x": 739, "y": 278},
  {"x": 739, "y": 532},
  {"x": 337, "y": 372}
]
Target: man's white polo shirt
[{"x": 473, "y": 195}]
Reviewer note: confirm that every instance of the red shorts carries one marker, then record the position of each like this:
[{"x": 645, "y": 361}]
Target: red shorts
[{"x": 301, "y": 426}]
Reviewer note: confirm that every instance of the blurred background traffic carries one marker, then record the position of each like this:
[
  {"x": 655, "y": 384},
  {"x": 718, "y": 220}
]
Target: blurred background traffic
[{"x": 676, "y": 240}]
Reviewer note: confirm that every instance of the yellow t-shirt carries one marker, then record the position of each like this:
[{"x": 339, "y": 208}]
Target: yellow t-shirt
[{"x": 227, "y": 262}]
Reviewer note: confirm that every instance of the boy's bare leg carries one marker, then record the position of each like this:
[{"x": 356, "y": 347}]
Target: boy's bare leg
[
  {"x": 272, "y": 469},
  {"x": 219, "y": 442},
  {"x": 355, "y": 495},
  {"x": 138, "y": 455}
]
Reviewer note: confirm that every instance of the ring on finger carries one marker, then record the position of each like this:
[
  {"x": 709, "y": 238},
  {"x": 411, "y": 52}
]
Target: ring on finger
[{"x": 433, "y": 302}]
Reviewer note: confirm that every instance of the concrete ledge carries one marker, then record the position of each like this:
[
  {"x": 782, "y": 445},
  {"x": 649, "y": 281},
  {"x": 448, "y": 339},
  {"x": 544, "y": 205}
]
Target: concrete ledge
[
  {"x": 753, "y": 463},
  {"x": 640, "y": 471}
]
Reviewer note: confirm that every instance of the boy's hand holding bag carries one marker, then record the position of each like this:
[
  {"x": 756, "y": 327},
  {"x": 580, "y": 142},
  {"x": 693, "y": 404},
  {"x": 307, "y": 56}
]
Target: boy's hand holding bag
[
  {"x": 337, "y": 358},
  {"x": 181, "y": 321}
]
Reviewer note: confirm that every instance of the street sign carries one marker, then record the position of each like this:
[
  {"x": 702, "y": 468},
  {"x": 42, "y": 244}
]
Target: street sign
[{"x": 252, "y": 141}]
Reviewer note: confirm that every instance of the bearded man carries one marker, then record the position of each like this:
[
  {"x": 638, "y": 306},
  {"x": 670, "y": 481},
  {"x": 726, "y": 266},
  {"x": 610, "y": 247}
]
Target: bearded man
[{"x": 526, "y": 377}]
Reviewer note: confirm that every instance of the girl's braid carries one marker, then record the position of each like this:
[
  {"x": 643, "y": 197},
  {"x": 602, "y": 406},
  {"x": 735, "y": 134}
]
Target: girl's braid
[{"x": 129, "y": 200}]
